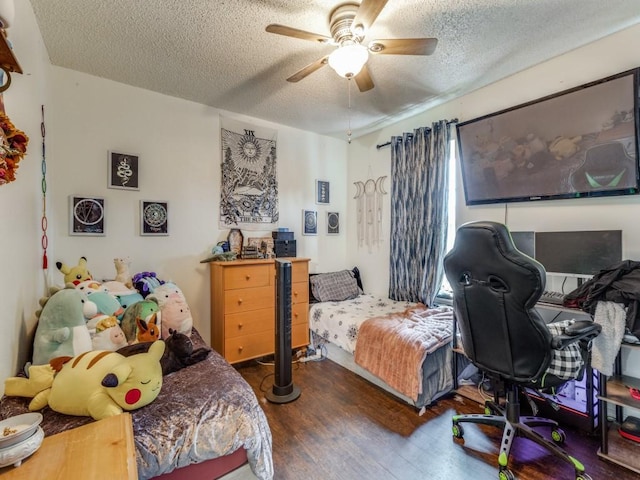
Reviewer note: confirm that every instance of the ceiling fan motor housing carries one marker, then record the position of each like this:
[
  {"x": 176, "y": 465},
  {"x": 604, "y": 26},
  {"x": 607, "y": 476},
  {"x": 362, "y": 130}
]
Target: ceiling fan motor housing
[{"x": 340, "y": 22}]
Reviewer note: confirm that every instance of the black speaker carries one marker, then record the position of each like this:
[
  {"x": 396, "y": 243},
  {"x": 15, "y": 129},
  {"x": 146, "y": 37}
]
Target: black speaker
[{"x": 284, "y": 391}]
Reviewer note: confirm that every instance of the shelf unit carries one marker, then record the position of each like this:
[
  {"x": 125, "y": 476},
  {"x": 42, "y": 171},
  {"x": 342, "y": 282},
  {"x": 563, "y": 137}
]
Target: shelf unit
[{"x": 615, "y": 390}]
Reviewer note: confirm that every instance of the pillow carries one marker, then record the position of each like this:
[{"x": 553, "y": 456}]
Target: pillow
[{"x": 334, "y": 286}]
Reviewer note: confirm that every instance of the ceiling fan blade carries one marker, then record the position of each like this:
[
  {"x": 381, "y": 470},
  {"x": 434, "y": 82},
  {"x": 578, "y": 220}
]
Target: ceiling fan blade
[
  {"x": 404, "y": 46},
  {"x": 363, "y": 80},
  {"x": 368, "y": 12},
  {"x": 308, "y": 70},
  {"x": 296, "y": 33}
]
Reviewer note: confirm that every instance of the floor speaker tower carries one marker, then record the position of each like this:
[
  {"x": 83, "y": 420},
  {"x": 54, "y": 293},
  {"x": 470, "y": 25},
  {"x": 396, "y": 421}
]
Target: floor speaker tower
[{"x": 284, "y": 391}]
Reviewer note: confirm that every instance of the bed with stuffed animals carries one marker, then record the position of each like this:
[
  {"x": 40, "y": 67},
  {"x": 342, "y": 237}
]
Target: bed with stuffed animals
[
  {"x": 200, "y": 420},
  {"x": 403, "y": 347}
]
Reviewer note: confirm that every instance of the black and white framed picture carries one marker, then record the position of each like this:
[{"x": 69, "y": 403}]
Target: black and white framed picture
[
  {"x": 123, "y": 171},
  {"x": 86, "y": 215},
  {"x": 322, "y": 192},
  {"x": 154, "y": 218},
  {"x": 333, "y": 223},
  {"x": 309, "y": 222}
]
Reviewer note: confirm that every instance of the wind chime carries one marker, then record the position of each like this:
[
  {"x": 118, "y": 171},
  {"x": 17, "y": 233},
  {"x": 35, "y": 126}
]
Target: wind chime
[{"x": 369, "y": 203}]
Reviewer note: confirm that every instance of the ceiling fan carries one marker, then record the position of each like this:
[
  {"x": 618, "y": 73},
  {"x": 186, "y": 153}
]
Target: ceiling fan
[{"x": 349, "y": 23}]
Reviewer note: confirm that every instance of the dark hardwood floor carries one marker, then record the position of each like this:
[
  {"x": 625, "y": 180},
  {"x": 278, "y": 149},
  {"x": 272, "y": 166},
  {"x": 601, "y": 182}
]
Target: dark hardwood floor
[{"x": 344, "y": 428}]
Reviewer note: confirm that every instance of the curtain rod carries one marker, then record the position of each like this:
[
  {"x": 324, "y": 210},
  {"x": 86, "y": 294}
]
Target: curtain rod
[{"x": 386, "y": 144}]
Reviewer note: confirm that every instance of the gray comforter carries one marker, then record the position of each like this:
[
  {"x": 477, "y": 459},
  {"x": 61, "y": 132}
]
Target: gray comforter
[{"x": 203, "y": 411}]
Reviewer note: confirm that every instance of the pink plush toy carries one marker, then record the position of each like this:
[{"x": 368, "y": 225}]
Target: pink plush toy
[{"x": 176, "y": 313}]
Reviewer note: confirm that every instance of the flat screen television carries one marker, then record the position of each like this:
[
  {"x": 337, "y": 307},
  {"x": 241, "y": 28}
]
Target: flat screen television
[
  {"x": 580, "y": 253},
  {"x": 581, "y": 142}
]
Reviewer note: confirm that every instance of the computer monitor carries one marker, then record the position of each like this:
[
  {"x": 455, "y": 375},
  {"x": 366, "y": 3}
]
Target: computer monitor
[
  {"x": 579, "y": 253},
  {"x": 525, "y": 242}
]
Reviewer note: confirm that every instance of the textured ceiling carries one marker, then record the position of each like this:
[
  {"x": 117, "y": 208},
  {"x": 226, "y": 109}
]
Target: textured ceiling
[{"x": 216, "y": 52}]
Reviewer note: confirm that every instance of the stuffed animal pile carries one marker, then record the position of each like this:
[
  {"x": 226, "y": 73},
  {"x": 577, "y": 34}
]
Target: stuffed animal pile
[{"x": 85, "y": 321}]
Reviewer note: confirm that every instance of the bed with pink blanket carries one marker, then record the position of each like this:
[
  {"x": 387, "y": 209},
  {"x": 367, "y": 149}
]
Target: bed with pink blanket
[{"x": 403, "y": 347}]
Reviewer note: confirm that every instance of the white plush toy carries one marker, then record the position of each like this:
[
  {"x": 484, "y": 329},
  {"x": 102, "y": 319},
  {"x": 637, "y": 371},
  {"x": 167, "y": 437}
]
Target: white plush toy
[
  {"x": 122, "y": 271},
  {"x": 108, "y": 335}
]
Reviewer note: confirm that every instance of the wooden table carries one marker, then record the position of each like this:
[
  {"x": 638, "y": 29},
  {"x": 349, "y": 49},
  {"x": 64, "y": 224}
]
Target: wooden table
[{"x": 99, "y": 450}]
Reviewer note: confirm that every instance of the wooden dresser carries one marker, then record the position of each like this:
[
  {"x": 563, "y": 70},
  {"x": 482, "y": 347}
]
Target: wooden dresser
[{"x": 243, "y": 300}]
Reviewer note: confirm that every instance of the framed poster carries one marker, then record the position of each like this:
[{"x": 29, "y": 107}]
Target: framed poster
[
  {"x": 309, "y": 222},
  {"x": 86, "y": 215},
  {"x": 123, "y": 171},
  {"x": 322, "y": 192},
  {"x": 333, "y": 223},
  {"x": 154, "y": 218}
]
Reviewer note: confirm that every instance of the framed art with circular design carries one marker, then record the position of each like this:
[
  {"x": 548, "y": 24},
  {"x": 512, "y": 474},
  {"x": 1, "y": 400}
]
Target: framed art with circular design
[
  {"x": 333, "y": 223},
  {"x": 86, "y": 216},
  {"x": 309, "y": 222},
  {"x": 154, "y": 218}
]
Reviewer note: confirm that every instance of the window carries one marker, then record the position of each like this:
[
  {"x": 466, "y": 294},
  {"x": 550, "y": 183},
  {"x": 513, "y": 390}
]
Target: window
[{"x": 445, "y": 288}]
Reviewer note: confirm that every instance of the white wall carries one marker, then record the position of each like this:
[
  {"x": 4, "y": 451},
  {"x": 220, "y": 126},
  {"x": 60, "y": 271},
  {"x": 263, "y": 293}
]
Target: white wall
[
  {"x": 606, "y": 57},
  {"x": 21, "y": 280},
  {"x": 179, "y": 147},
  {"x": 178, "y": 143}
]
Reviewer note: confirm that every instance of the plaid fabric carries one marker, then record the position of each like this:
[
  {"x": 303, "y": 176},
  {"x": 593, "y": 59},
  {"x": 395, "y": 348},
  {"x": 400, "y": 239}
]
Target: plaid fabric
[
  {"x": 565, "y": 363},
  {"x": 334, "y": 286}
]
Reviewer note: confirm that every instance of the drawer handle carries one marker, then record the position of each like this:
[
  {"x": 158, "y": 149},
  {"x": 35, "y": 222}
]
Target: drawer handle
[
  {"x": 295, "y": 294},
  {"x": 240, "y": 349},
  {"x": 248, "y": 277},
  {"x": 239, "y": 326},
  {"x": 296, "y": 315},
  {"x": 240, "y": 301}
]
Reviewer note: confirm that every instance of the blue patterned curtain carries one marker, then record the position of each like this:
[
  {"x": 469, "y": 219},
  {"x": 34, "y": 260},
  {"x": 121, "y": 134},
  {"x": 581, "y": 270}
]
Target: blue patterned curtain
[{"x": 419, "y": 193}]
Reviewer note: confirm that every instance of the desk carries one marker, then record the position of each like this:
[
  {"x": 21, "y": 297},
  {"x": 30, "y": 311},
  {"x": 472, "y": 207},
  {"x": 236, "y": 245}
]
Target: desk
[
  {"x": 99, "y": 450},
  {"x": 576, "y": 401}
]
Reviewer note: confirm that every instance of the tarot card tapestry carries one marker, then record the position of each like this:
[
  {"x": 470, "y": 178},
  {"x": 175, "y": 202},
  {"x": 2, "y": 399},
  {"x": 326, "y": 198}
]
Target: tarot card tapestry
[{"x": 249, "y": 190}]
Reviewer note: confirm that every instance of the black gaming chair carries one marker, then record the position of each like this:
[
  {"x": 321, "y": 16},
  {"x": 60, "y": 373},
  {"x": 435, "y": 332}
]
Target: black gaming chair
[{"x": 495, "y": 289}]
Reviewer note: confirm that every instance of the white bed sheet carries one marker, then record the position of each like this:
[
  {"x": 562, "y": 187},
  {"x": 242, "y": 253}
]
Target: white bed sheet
[{"x": 339, "y": 322}]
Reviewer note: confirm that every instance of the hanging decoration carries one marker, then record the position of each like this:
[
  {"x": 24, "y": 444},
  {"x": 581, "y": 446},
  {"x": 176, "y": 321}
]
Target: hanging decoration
[
  {"x": 249, "y": 190},
  {"x": 369, "y": 202},
  {"x": 44, "y": 222},
  {"x": 13, "y": 147}
]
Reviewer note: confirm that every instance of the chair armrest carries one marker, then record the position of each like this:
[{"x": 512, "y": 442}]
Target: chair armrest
[{"x": 579, "y": 330}]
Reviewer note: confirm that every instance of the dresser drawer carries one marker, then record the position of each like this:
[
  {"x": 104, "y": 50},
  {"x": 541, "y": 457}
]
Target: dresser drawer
[
  {"x": 248, "y": 276},
  {"x": 249, "y": 346},
  {"x": 244, "y": 300},
  {"x": 300, "y": 313},
  {"x": 246, "y": 323},
  {"x": 300, "y": 292},
  {"x": 300, "y": 272},
  {"x": 299, "y": 335}
]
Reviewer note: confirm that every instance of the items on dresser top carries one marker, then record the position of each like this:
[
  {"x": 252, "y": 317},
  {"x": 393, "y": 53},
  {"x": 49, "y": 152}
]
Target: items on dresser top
[
  {"x": 243, "y": 307},
  {"x": 283, "y": 243}
]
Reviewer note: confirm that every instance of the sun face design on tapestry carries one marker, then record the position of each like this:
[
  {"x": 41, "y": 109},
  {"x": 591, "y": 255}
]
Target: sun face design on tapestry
[{"x": 249, "y": 191}]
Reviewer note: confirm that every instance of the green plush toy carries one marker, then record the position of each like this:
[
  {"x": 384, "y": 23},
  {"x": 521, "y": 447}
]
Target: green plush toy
[
  {"x": 62, "y": 328},
  {"x": 97, "y": 384},
  {"x": 138, "y": 318}
]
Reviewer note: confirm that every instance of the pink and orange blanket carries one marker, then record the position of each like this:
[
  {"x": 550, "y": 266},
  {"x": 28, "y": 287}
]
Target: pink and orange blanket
[{"x": 393, "y": 347}]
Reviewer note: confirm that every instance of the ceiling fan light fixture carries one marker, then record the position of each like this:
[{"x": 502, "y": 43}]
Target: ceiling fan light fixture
[{"x": 348, "y": 60}]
